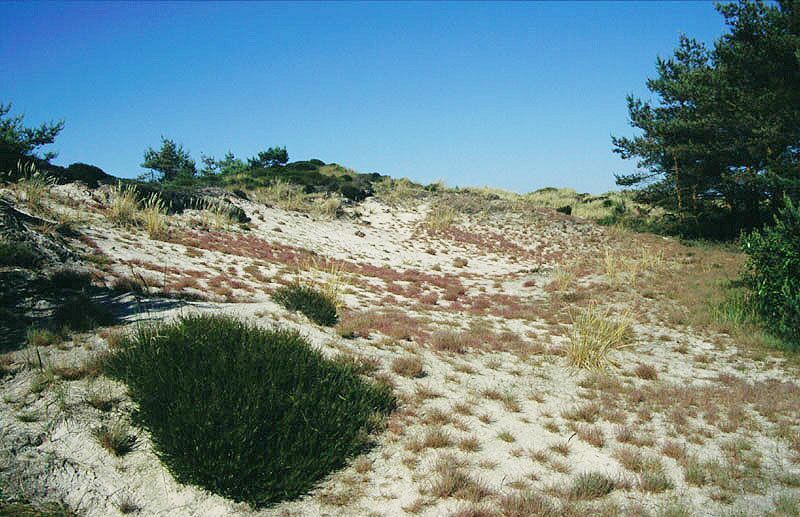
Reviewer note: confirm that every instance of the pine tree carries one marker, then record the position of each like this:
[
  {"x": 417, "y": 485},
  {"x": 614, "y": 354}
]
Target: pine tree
[
  {"x": 171, "y": 161},
  {"x": 723, "y": 141}
]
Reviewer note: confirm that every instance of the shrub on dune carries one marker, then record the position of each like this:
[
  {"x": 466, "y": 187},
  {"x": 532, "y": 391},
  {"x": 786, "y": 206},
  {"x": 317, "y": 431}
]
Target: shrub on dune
[{"x": 252, "y": 414}]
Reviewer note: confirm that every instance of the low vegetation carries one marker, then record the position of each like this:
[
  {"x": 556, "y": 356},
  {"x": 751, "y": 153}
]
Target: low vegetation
[
  {"x": 252, "y": 414},
  {"x": 773, "y": 273},
  {"x": 17, "y": 254},
  {"x": 306, "y": 299},
  {"x": 81, "y": 313},
  {"x": 594, "y": 336}
]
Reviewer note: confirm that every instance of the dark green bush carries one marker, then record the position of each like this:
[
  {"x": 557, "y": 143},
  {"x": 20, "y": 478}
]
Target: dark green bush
[
  {"x": 89, "y": 174},
  {"x": 81, "y": 313},
  {"x": 354, "y": 192},
  {"x": 314, "y": 304},
  {"x": 17, "y": 254},
  {"x": 252, "y": 414},
  {"x": 773, "y": 272},
  {"x": 69, "y": 279}
]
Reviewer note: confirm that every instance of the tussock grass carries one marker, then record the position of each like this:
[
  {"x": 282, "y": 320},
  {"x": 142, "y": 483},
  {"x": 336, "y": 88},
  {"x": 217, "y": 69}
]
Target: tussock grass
[
  {"x": 646, "y": 371},
  {"x": 448, "y": 341},
  {"x": 335, "y": 279},
  {"x": 125, "y": 209},
  {"x": 562, "y": 279},
  {"x": 283, "y": 195},
  {"x": 528, "y": 503},
  {"x": 408, "y": 366},
  {"x": 252, "y": 414},
  {"x": 327, "y": 207},
  {"x": 124, "y": 205},
  {"x": 69, "y": 279},
  {"x": 34, "y": 186},
  {"x": 454, "y": 481},
  {"x": 217, "y": 214},
  {"x": 318, "y": 306},
  {"x": 153, "y": 216},
  {"x": 440, "y": 217},
  {"x": 117, "y": 439},
  {"x": 592, "y": 485},
  {"x": 652, "y": 476},
  {"x": 594, "y": 336},
  {"x": 36, "y": 337},
  {"x": 588, "y": 412},
  {"x": 100, "y": 397}
]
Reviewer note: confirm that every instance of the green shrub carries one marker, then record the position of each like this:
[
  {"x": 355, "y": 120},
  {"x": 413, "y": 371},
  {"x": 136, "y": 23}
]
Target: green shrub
[
  {"x": 252, "y": 414},
  {"x": 69, "y": 279},
  {"x": 89, "y": 174},
  {"x": 317, "y": 306},
  {"x": 81, "y": 313},
  {"x": 17, "y": 254},
  {"x": 773, "y": 273}
]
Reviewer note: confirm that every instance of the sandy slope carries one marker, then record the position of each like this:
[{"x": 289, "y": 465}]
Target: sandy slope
[{"x": 504, "y": 406}]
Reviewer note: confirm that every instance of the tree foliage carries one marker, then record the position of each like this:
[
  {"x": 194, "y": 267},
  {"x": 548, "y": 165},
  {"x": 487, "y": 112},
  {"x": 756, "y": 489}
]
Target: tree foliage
[
  {"x": 172, "y": 161},
  {"x": 272, "y": 157},
  {"x": 723, "y": 141},
  {"x": 15, "y": 138},
  {"x": 227, "y": 165}
]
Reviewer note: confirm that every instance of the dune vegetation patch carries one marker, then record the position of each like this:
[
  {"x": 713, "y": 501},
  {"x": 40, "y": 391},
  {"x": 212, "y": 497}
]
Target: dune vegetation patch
[
  {"x": 252, "y": 414},
  {"x": 319, "y": 307}
]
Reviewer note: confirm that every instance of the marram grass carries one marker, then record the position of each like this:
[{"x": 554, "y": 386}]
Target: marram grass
[
  {"x": 251, "y": 414},
  {"x": 595, "y": 335}
]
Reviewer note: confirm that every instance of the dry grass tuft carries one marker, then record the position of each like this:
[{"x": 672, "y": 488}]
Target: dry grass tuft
[
  {"x": 591, "y": 434},
  {"x": 561, "y": 448},
  {"x": 588, "y": 412},
  {"x": 440, "y": 217},
  {"x": 594, "y": 335},
  {"x": 448, "y": 341},
  {"x": 408, "y": 366},
  {"x": 528, "y": 503},
  {"x": 593, "y": 485},
  {"x": 647, "y": 372},
  {"x": 124, "y": 205},
  {"x": 652, "y": 476},
  {"x": 454, "y": 481},
  {"x": 506, "y": 436},
  {"x": 469, "y": 444},
  {"x": 153, "y": 216},
  {"x": 435, "y": 438}
]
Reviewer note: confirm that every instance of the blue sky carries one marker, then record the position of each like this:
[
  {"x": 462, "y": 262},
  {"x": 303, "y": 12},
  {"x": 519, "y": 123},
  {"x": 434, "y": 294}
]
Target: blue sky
[{"x": 512, "y": 95}]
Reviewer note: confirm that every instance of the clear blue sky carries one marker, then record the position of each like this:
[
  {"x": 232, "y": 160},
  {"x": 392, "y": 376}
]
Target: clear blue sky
[{"x": 518, "y": 95}]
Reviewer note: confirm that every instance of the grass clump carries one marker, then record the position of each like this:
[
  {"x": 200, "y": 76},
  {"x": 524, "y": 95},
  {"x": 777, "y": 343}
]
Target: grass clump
[
  {"x": 408, "y": 366},
  {"x": 454, "y": 481},
  {"x": 319, "y": 308},
  {"x": 592, "y": 485},
  {"x": 117, "y": 439},
  {"x": 251, "y": 414},
  {"x": 440, "y": 217},
  {"x": 594, "y": 336},
  {"x": 154, "y": 216},
  {"x": 124, "y": 205}
]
